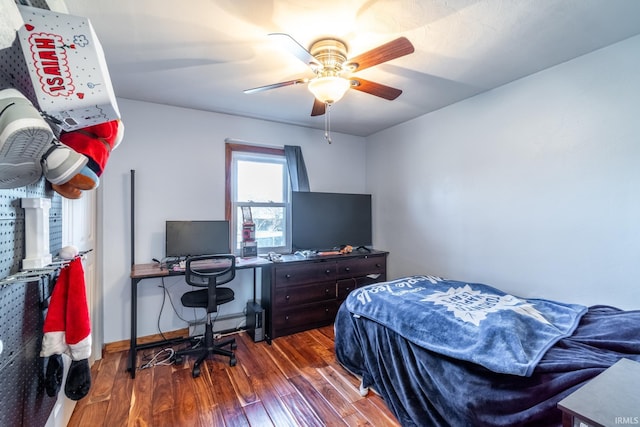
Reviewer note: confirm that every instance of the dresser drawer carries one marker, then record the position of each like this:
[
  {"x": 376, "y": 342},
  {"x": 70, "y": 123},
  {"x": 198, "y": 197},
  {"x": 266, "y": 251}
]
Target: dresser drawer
[
  {"x": 302, "y": 274},
  {"x": 305, "y": 316},
  {"x": 361, "y": 266},
  {"x": 301, "y": 294},
  {"x": 344, "y": 286}
]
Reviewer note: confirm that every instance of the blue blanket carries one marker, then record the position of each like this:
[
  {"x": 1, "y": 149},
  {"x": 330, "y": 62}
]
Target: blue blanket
[
  {"x": 468, "y": 321},
  {"x": 423, "y": 388}
]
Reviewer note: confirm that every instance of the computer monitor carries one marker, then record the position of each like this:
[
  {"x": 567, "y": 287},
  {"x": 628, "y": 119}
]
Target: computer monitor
[{"x": 190, "y": 238}]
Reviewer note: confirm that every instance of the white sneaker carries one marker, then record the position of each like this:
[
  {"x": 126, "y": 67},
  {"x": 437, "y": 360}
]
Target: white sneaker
[
  {"x": 60, "y": 163},
  {"x": 24, "y": 135}
]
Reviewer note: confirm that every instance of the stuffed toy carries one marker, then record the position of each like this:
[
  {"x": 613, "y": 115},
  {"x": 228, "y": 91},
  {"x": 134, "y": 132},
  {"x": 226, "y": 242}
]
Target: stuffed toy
[
  {"x": 67, "y": 330},
  {"x": 77, "y": 164}
]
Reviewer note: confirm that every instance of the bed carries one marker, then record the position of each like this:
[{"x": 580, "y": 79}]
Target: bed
[{"x": 449, "y": 353}]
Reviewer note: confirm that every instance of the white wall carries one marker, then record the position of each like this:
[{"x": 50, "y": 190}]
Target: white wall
[
  {"x": 178, "y": 158},
  {"x": 533, "y": 187}
]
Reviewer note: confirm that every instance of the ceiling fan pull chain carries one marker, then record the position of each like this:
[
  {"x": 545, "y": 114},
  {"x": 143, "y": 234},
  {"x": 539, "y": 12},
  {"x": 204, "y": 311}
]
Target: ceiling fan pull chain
[{"x": 327, "y": 122}]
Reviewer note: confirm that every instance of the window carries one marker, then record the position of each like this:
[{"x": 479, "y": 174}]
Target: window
[{"x": 257, "y": 178}]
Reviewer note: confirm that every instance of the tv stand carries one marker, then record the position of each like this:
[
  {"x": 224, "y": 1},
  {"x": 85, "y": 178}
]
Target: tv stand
[{"x": 304, "y": 293}]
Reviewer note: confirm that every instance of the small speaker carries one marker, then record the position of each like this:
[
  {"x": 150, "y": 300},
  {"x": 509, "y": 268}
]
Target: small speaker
[{"x": 255, "y": 321}]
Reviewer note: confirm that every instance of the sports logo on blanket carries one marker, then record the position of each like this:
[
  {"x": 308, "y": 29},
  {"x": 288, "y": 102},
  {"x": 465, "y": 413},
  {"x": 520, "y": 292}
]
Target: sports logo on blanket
[{"x": 473, "y": 306}]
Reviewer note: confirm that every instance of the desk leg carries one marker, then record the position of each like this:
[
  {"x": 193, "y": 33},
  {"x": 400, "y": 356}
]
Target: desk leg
[
  {"x": 134, "y": 328},
  {"x": 254, "y": 285}
]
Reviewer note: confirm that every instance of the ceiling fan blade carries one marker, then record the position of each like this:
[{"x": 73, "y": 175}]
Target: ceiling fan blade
[
  {"x": 276, "y": 85},
  {"x": 318, "y": 107},
  {"x": 383, "y": 53},
  {"x": 289, "y": 43},
  {"x": 376, "y": 89}
]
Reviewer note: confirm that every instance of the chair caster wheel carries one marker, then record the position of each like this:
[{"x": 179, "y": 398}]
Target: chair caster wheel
[
  {"x": 234, "y": 346},
  {"x": 232, "y": 361},
  {"x": 178, "y": 360},
  {"x": 196, "y": 372}
]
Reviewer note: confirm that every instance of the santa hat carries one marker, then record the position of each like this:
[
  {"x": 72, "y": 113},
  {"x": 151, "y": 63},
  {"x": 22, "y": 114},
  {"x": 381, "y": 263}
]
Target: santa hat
[
  {"x": 96, "y": 142},
  {"x": 67, "y": 330}
]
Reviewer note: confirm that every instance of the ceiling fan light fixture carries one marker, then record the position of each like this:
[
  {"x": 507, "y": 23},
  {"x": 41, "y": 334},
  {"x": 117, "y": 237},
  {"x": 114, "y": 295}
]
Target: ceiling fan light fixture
[{"x": 329, "y": 89}]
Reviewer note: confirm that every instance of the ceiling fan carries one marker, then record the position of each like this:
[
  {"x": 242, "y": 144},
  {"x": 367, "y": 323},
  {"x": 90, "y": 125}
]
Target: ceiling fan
[{"x": 328, "y": 60}]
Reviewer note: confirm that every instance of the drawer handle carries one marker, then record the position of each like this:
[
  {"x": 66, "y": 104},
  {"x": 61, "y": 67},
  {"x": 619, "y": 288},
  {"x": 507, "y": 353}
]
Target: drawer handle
[
  {"x": 348, "y": 289},
  {"x": 287, "y": 276},
  {"x": 287, "y": 297},
  {"x": 347, "y": 269},
  {"x": 378, "y": 266},
  {"x": 326, "y": 310},
  {"x": 327, "y": 271},
  {"x": 326, "y": 291},
  {"x": 286, "y": 317}
]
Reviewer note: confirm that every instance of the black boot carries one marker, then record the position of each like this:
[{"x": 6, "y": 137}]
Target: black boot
[
  {"x": 78, "y": 380},
  {"x": 53, "y": 375}
]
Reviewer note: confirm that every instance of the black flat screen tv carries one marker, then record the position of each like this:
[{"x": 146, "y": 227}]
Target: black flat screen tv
[
  {"x": 325, "y": 221},
  {"x": 190, "y": 238}
]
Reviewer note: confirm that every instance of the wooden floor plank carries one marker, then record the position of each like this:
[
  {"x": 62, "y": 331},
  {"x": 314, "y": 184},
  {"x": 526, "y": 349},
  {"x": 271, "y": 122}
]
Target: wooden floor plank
[
  {"x": 208, "y": 408},
  {"x": 295, "y": 381},
  {"x": 332, "y": 395},
  {"x": 381, "y": 407},
  {"x": 257, "y": 415},
  {"x": 326, "y": 412},
  {"x": 242, "y": 385},
  {"x": 346, "y": 375},
  {"x": 316, "y": 347},
  {"x": 95, "y": 414},
  {"x": 342, "y": 385},
  {"x": 120, "y": 398},
  {"x": 272, "y": 402},
  {"x": 186, "y": 405},
  {"x": 246, "y": 352},
  {"x": 326, "y": 345},
  {"x": 301, "y": 410},
  {"x": 277, "y": 378},
  {"x": 307, "y": 348},
  {"x": 357, "y": 420},
  {"x": 141, "y": 398},
  {"x": 102, "y": 382},
  {"x": 372, "y": 412},
  {"x": 163, "y": 392},
  {"x": 227, "y": 399},
  {"x": 164, "y": 419}
]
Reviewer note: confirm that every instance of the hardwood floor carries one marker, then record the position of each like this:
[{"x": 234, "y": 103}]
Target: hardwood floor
[{"x": 296, "y": 381}]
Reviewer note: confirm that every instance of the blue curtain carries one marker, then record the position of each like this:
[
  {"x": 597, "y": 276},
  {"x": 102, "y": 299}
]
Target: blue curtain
[{"x": 297, "y": 168}]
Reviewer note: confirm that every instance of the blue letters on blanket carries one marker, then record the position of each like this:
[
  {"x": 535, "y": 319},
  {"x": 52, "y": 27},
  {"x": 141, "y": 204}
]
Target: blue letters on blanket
[{"x": 468, "y": 321}]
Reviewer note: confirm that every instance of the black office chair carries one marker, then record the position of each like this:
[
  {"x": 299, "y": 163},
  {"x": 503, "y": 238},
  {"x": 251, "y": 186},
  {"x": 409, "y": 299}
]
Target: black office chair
[{"x": 208, "y": 271}]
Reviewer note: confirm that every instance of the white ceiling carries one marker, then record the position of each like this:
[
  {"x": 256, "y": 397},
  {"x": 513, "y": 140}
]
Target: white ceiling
[{"x": 202, "y": 54}]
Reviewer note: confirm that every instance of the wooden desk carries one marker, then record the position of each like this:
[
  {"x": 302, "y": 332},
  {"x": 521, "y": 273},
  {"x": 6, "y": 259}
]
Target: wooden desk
[
  {"x": 610, "y": 399},
  {"x": 154, "y": 270}
]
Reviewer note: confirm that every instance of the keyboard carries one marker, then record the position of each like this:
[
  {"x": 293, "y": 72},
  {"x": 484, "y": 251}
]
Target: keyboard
[{"x": 179, "y": 267}]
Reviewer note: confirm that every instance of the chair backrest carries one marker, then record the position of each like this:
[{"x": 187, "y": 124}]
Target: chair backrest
[
  {"x": 215, "y": 269},
  {"x": 210, "y": 271}
]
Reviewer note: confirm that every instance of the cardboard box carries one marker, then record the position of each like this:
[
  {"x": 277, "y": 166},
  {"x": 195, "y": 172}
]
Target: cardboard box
[{"x": 67, "y": 69}]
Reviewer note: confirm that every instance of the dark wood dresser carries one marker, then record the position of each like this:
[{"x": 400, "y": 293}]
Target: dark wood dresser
[{"x": 305, "y": 293}]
